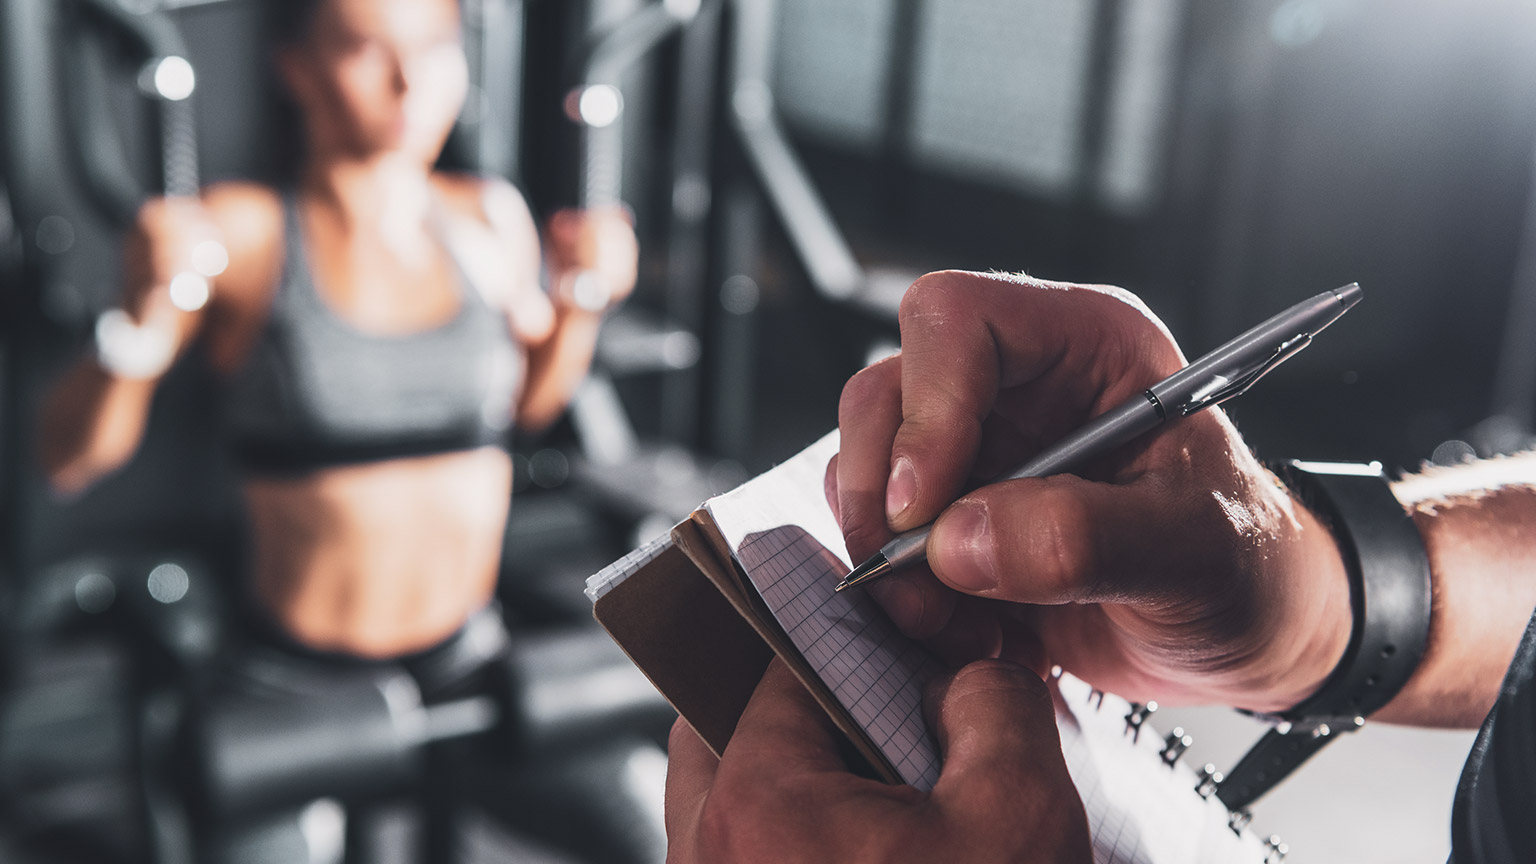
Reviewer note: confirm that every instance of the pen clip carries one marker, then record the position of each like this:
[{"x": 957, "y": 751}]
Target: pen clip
[{"x": 1239, "y": 385}]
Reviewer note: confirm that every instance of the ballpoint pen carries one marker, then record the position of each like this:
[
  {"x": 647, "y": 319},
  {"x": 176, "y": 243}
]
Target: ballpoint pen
[{"x": 1218, "y": 376}]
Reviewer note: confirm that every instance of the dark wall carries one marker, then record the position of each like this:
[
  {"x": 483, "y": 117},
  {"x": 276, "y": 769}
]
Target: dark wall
[
  {"x": 1305, "y": 144},
  {"x": 1286, "y": 147}
]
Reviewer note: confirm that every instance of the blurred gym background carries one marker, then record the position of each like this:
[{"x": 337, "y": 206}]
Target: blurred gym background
[{"x": 793, "y": 165}]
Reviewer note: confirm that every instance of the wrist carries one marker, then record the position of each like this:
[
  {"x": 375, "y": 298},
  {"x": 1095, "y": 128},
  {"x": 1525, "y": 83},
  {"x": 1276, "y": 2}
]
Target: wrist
[
  {"x": 1310, "y": 631},
  {"x": 1387, "y": 571},
  {"x": 584, "y": 290},
  {"x": 134, "y": 351}
]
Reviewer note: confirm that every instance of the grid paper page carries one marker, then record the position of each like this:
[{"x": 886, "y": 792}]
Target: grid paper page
[
  {"x": 783, "y": 535},
  {"x": 1140, "y": 809}
]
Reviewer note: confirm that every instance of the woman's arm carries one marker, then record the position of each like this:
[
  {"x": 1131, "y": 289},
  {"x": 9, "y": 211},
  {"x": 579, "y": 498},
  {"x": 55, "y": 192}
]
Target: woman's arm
[
  {"x": 558, "y": 366},
  {"x": 560, "y": 330},
  {"x": 587, "y": 250},
  {"x": 93, "y": 419}
]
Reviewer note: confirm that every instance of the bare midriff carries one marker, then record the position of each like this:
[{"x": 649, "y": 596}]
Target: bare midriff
[{"x": 380, "y": 559}]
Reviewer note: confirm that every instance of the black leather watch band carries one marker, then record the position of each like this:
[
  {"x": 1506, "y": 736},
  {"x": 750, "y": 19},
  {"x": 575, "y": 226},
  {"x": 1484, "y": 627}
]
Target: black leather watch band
[{"x": 1390, "y": 594}]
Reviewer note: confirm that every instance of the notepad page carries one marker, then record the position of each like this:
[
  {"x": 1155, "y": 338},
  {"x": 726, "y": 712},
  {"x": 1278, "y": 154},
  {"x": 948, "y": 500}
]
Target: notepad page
[
  {"x": 784, "y": 536},
  {"x": 1140, "y": 809}
]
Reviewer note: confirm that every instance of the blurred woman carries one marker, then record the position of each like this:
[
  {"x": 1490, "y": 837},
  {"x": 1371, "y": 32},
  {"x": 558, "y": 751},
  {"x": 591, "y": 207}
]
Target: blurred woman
[{"x": 378, "y": 326}]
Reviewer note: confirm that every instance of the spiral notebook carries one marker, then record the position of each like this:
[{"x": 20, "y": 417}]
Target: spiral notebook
[{"x": 750, "y": 575}]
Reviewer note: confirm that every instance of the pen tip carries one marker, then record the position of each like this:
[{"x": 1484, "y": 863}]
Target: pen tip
[
  {"x": 1349, "y": 295},
  {"x": 871, "y": 569}
]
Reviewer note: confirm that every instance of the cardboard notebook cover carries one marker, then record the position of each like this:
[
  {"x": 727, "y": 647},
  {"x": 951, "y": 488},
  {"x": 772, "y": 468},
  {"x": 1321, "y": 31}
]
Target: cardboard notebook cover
[{"x": 693, "y": 623}]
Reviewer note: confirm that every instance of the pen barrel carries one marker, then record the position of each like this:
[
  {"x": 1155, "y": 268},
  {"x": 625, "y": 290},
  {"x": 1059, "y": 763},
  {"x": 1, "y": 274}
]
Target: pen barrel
[
  {"x": 907, "y": 548},
  {"x": 1137, "y": 416},
  {"x": 1256, "y": 349}
]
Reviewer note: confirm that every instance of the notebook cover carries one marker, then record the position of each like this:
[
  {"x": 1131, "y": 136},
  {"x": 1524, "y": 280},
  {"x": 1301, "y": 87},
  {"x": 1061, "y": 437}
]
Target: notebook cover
[
  {"x": 680, "y": 630},
  {"x": 701, "y": 540}
]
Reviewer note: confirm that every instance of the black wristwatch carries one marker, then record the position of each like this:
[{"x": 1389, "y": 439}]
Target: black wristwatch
[{"x": 1389, "y": 588}]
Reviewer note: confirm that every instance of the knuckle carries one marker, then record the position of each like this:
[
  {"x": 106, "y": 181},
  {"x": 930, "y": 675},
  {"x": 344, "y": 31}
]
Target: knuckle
[
  {"x": 856, "y": 393},
  {"x": 681, "y": 735},
  {"x": 993, "y": 675},
  {"x": 1138, "y": 338},
  {"x": 935, "y": 294},
  {"x": 739, "y": 815},
  {"x": 939, "y": 429},
  {"x": 1061, "y": 550},
  {"x": 863, "y": 521},
  {"x": 744, "y": 798},
  {"x": 1129, "y": 301},
  {"x": 1015, "y": 709},
  {"x": 716, "y": 830},
  {"x": 867, "y": 386},
  {"x": 864, "y": 529}
]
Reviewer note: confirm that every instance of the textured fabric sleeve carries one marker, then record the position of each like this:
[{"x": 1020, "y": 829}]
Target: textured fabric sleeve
[{"x": 1492, "y": 821}]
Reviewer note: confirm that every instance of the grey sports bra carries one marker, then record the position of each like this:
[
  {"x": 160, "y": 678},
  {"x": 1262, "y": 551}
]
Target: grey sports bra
[{"x": 316, "y": 391}]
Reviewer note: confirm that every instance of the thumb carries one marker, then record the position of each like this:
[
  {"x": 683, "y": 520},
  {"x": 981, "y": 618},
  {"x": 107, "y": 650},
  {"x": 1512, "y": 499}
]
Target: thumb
[
  {"x": 996, "y": 726},
  {"x": 1005, "y": 783},
  {"x": 1050, "y": 540}
]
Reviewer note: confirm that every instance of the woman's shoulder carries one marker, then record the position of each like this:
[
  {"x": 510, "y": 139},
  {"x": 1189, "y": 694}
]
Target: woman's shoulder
[
  {"x": 242, "y": 197},
  {"x": 250, "y": 220},
  {"x": 499, "y": 233},
  {"x": 249, "y": 216},
  {"x": 489, "y": 200}
]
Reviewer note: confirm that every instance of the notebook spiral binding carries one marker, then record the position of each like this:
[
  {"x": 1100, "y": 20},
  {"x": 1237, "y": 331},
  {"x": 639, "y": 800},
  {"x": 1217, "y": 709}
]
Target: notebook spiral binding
[{"x": 1175, "y": 744}]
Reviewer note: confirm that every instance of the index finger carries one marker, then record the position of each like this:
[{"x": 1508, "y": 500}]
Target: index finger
[{"x": 966, "y": 336}]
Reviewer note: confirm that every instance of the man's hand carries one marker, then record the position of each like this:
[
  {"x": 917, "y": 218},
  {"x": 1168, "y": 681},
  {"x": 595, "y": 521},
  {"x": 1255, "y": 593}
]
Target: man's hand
[
  {"x": 782, "y": 794},
  {"x": 1177, "y": 569}
]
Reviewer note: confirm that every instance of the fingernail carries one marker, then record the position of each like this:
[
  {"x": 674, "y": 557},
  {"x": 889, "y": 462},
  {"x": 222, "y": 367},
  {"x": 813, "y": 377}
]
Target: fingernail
[
  {"x": 900, "y": 489},
  {"x": 829, "y": 491},
  {"x": 964, "y": 557}
]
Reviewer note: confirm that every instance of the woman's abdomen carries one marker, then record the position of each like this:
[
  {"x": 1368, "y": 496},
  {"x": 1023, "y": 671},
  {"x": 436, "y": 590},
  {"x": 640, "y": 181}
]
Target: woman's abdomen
[{"x": 380, "y": 559}]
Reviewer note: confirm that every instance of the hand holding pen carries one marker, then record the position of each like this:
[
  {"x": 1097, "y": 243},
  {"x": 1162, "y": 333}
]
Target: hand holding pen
[
  {"x": 1218, "y": 376},
  {"x": 1169, "y": 565}
]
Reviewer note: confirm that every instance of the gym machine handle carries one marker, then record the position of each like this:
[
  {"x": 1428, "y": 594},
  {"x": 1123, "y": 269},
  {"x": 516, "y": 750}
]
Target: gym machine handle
[
  {"x": 595, "y": 102},
  {"x": 833, "y": 269},
  {"x": 165, "y": 79}
]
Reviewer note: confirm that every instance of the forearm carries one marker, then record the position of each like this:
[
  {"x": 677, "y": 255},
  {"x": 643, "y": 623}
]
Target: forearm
[
  {"x": 557, "y": 366},
  {"x": 1479, "y": 527},
  {"x": 91, "y": 424}
]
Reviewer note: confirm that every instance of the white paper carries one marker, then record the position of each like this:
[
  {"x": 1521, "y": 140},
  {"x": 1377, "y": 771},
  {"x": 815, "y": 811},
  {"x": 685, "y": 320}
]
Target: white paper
[
  {"x": 1140, "y": 809},
  {"x": 782, "y": 533}
]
